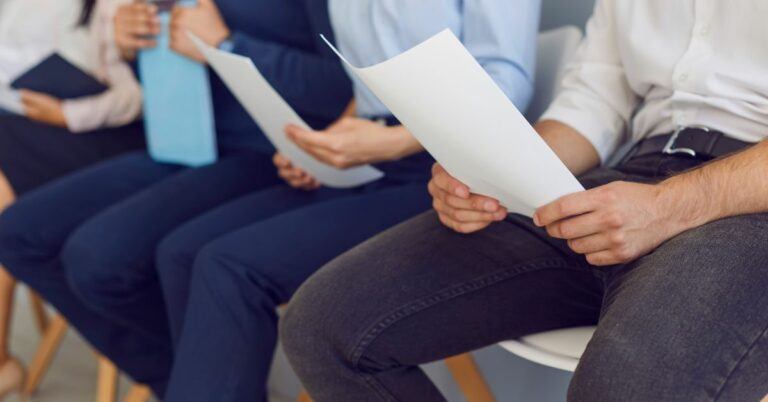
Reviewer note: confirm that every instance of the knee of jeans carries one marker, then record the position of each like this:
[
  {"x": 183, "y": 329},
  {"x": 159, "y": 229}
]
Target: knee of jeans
[
  {"x": 96, "y": 277},
  {"x": 310, "y": 332},
  {"x": 611, "y": 370}
]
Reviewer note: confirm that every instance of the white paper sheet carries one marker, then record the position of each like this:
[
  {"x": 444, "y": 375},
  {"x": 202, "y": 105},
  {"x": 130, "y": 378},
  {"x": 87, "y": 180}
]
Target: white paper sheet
[
  {"x": 272, "y": 113},
  {"x": 459, "y": 114},
  {"x": 10, "y": 100}
]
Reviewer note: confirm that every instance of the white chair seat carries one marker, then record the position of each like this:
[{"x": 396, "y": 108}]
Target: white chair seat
[{"x": 560, "y": 349}]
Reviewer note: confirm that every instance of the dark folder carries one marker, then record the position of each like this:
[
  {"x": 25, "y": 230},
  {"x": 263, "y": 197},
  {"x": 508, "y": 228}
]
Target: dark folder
[{"x": 58, "y": 77}]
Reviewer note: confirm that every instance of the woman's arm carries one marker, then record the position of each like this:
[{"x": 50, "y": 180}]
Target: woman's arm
[{"x": 121, "y": 103}]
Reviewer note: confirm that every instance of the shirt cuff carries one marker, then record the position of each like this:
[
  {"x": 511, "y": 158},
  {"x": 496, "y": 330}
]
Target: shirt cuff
[{"x": 598, "y": 123}]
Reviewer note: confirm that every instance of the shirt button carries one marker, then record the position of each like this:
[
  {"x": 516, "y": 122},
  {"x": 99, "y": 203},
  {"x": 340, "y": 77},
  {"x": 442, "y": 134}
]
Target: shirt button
[
  {"x": 704, "y": 31},
  {"x": 683, "y": 77}
]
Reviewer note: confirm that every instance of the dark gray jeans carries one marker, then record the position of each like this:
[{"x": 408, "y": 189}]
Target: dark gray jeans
[{"x": 689, "y": 322}]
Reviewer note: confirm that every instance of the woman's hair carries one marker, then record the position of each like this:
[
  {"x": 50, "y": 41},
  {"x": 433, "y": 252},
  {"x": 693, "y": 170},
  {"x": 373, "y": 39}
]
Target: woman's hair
[{"x": 85, "y": 16}]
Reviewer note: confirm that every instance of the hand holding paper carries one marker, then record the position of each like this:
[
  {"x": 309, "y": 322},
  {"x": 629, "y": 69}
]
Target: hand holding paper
[
  {"x": 273, "y": 114},
  {"x": 453, "y": 107}
]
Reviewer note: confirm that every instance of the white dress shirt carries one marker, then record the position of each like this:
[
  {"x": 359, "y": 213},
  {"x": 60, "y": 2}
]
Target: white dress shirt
[
  {"x": 649, "y": 66},
  {"x": 30, "y": 30}
]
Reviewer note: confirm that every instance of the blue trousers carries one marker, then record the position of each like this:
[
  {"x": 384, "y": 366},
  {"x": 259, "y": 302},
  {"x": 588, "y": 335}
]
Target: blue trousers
[
  {"x": 225, "y": 273},
  {"x": 87, "y": 244}
]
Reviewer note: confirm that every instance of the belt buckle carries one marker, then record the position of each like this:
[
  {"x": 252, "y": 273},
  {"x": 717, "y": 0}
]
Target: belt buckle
[{"x": 671, "y": 149}]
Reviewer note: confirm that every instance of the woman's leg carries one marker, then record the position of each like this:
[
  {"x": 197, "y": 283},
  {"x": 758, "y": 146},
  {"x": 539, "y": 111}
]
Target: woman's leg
[
  {"x": 177, "y": 252},
  {"x": 359, "y": 329},
  {"x": 240, "y": 279},
  {"x": 33, "y": 232},
  {"x": 7, "y": 282},
  {"x": 11, "y": 371},
  {"x": 110, "y": 259}
]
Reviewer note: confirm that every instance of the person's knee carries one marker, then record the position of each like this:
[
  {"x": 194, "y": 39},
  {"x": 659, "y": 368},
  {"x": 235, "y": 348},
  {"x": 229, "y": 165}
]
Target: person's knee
[
  {"x": 97, "y": 277},
  {"x": 174, "y": 258},
  {"x": 19, "y": 239},
  {"x": 319, "y": 322}
]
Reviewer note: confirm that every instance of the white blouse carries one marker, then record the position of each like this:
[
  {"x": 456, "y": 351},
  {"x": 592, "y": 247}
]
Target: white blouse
[
  {"x": 649, "y": 66},
  {"x": 33, "y": 29}
]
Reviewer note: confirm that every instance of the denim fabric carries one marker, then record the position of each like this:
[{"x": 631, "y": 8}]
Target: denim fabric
[{"x": 687, "y": 322}]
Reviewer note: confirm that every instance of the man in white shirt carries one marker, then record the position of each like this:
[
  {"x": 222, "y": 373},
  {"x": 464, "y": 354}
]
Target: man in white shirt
[{"x": 666, "y": 252}]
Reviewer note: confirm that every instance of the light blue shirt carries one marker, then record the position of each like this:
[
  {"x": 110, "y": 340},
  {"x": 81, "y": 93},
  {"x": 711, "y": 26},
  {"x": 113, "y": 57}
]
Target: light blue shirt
[{"x": 501, "y": 34}]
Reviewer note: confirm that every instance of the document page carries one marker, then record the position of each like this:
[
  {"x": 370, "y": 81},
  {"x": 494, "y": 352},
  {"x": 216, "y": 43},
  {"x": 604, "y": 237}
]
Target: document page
[
  {"x": 272, "y": 113},
  {"x": 459, "y": 114}
]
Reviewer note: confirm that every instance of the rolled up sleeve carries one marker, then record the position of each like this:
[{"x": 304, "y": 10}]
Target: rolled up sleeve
[{"x": 596, "y": 98}]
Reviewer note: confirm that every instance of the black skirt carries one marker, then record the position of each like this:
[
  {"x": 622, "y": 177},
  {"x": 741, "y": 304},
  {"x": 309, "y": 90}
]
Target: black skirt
[{"x": 32, "y": 154}]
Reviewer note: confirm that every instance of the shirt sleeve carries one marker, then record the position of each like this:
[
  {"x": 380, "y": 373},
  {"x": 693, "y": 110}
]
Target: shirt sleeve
[
  {"x": 501, "y": 35},
  {"x": 596, "y": 98},
  {"x": 121, "y": 103},
  {"x": 314, "y": 83}
]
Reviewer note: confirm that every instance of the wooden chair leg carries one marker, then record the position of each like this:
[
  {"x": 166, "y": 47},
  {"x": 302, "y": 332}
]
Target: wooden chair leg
[
  {"x": 39, "y": 311},
  {"x": 303, "y": 397},
  {"x": 106, "y": 387},
  {"x": 52, "y": 338},
  {"x": 469, "y": 378},
  {"x": 138, "y": 393}
]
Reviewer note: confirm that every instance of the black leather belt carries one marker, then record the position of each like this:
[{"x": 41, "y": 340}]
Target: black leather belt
[{"x": 696, "y": 142}]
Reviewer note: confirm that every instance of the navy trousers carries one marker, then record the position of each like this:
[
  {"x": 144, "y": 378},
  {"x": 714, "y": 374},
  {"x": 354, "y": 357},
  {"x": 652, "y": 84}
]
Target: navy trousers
[
  {"x": 225, "y": 273},
  {"x": 87, "y": 244}
]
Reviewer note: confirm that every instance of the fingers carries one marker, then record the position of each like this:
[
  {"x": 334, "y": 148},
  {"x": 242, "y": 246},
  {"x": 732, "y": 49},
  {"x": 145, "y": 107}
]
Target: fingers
[
  {"x": 309, "y": 139},
  {"x": 584, "y": 225},
  {"x": 135, "y": 25},
  {"x": 466, "y": 215},
  {"x": 281, "y": 161},
  {"x": 569, "y": 206},
  {"x": 462, "y": 227},
  {"x": 447, "y": 183}
]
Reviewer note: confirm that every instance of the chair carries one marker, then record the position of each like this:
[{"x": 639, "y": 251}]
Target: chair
[{"x": 560, "y": 349}]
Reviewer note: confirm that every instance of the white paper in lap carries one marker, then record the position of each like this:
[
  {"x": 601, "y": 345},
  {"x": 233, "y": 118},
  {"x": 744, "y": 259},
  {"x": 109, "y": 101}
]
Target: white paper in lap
[
  {"x": 272, "y": 113},
  {"x": 459, "y": 114}
]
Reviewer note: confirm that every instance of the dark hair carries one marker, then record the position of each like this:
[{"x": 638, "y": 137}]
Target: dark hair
[{"x": 85, "y": 16}]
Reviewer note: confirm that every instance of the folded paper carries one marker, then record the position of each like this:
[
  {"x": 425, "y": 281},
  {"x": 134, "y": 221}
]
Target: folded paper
[
  {"x": 272, "y": 113},
  {"x": 459, "y": 114}
]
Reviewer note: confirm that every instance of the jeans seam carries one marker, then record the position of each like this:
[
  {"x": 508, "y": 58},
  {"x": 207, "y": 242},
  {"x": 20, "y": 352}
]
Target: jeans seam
[
  {"x": 375, "y": 330},
  {"x": 751, "y": 347}
]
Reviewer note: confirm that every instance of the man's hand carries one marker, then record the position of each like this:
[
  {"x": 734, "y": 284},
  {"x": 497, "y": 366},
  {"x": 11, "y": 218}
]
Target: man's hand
[
  {"x": 204, "y": 20},
  {"x": 613, "y": 224},
  {"x": 43, "y": 108},
  {"x": 135, "y": 25},
  {"x": 457, "y": 208},
  {"x": 353, "y": 141},
  {"x": 295, "y": 176}
]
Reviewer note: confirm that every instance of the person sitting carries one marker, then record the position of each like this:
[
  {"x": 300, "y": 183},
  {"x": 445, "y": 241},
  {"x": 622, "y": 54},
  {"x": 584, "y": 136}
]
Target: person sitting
[
  {"x": 664, "y": 252},
  {"x": 87, "y": 241},
  {"x": 225, "y": 273},
  {"x": 53, "y": 137}
]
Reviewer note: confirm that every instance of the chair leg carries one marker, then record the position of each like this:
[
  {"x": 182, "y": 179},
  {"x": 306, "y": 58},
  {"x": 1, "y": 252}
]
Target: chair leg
[
  {"x": 52, "y": 338},
  {"x": 138, "y": 393},
  {"x": 106, "y": 387},
  {"x": 469, "y": 378},
  {"x": 303, "y": 397},
  {"x": 39, "y": 311}
]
